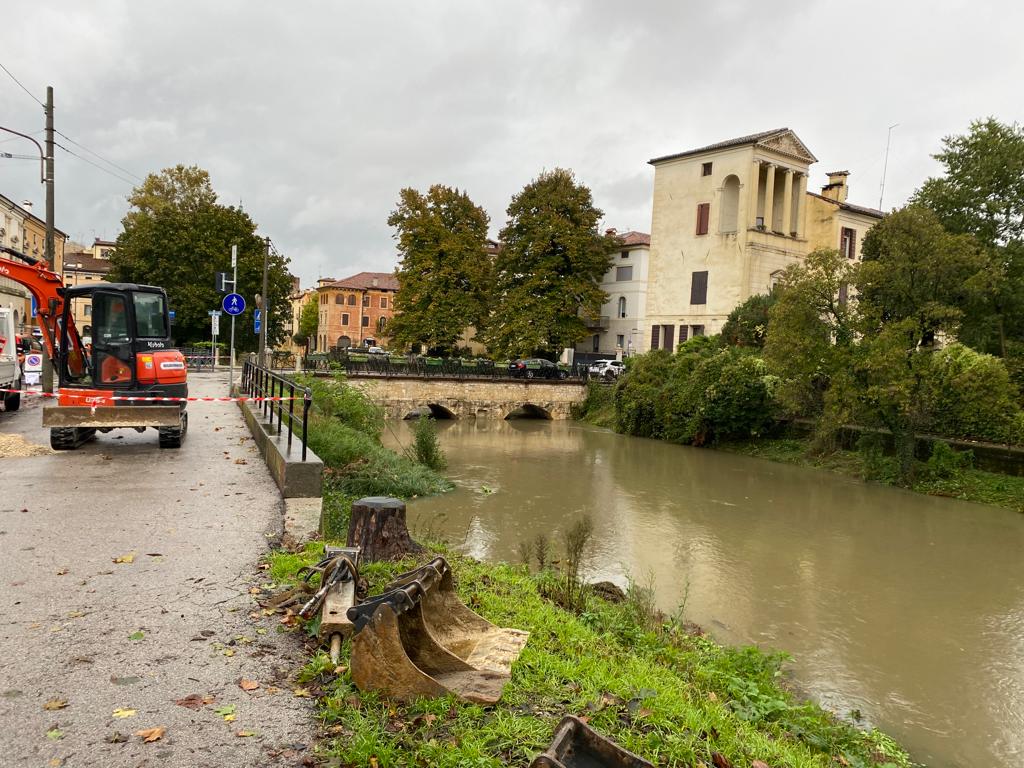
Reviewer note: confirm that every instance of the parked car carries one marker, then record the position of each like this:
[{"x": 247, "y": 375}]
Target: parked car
[
  {"x": 536, "y": 368},
  {"x": 607, "y": 369},
  {"x": 376, "y": 351}
]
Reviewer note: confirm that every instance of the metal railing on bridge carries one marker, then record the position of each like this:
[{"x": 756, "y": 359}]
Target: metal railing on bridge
[
  {"x": 362, "y": 364},
  {"x": 278, "y": 394}
]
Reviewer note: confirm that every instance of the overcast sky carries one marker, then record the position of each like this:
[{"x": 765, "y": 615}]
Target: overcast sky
[{"x": 314, "y": 115}]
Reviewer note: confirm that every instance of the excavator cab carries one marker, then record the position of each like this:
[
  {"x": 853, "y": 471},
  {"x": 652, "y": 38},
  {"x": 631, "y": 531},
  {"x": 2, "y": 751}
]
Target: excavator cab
[{"x": 116, "y": 376}]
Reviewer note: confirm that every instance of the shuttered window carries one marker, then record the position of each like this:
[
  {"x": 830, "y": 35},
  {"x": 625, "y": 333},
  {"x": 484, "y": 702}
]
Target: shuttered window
[
  {"x": 699, "y": 288},
  {"x": 655, "y": 334},
  {"x": 670, "y": 332},
  {"x": 698, "y": 330},
  {"x": 848, "y": 243},
  {"x": 844, "y": 294},
  {"x": 684, "y": 333},
  {"x": 703, "y": 218}
]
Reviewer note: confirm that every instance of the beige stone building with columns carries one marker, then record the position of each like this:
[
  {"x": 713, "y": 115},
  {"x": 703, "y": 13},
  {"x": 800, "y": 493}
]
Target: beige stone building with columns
[{"x": 727, "y": 220}]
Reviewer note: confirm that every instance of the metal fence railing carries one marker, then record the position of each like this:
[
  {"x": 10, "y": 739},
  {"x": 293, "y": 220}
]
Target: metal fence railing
[
  {"x": 279, "y": 394},
  {"x": 198, "y": 358},
  {"x": 435, "y": 367}
]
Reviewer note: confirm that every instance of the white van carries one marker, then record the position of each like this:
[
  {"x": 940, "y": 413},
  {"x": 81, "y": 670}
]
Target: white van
[{"x": 10, "y": 370}]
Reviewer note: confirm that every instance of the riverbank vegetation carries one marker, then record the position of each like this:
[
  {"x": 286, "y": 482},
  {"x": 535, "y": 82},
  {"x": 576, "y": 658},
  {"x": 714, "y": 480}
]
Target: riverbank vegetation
[
  {"x": 662, "y": 690},
  {"x": 344, "y": 431}
]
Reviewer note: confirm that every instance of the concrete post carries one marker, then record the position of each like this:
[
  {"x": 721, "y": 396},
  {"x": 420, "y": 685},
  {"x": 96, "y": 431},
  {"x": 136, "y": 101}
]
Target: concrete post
[{"x": 753, "y": 183}]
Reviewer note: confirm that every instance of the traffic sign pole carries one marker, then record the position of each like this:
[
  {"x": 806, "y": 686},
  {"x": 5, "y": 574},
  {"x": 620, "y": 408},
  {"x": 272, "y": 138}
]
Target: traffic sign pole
[{"x": 234, "y": 289}]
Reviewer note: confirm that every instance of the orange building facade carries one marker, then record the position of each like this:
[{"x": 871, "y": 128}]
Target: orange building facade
[{"x": 356, "y": 311}]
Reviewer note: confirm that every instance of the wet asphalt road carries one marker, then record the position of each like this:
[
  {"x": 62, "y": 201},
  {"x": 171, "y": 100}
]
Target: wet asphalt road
[{"x": 176, "y": 621}]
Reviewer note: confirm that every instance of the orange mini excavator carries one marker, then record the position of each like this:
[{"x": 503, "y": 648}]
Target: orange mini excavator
[{"x": 112, "y": 379}]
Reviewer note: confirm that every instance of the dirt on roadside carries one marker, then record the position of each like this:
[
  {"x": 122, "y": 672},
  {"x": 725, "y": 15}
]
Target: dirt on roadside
[{"x": 17, "y": 447}]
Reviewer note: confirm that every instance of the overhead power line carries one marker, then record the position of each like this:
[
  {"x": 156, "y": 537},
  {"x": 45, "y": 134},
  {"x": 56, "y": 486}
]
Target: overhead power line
[
  {"x": 101, "y": 157},
  {"x": 95, "y": 165},
  {"x": 26, "y": 90}
]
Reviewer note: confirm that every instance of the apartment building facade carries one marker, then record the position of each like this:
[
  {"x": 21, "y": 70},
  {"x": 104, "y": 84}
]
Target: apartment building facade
[
  {"x": 355, "y": 312},
  {"x": 621, "y": 326}
]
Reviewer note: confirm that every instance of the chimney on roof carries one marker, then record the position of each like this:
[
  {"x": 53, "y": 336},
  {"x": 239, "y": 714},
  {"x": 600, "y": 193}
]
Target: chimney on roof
[
  {"x": 837, "y": 188},
  {"x": 611, "y": 231},
  {"x": 27, "y": 205}
]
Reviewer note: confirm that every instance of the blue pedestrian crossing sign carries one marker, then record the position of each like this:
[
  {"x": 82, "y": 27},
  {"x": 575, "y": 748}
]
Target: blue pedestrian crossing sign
[
  {"x": 234, "y": 304},
  {"x": 257, "y": 319}
]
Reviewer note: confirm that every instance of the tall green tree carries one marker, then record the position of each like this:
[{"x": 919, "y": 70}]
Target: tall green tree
[
  {"x": 309, "y": 322},
  {"x": 176, "y": 235},
  {"x": 810, "y": 328},
  {"x": 548, "y": 275},
  {"x": 444, "y": 274},
  {"x": 982, "y": 194},
  {"x": 913, "y": 285}
]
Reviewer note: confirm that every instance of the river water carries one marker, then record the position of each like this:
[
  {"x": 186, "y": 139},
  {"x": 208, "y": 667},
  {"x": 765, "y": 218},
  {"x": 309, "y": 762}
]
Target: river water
[{"x": 906, "y": 608}]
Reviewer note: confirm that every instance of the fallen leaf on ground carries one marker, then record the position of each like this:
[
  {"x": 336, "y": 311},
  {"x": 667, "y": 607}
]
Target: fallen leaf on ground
[
  {"x": 229, "y": 718},
  {"x": 228, "y": 651},
  {"x": 243, "y": 734},
  {"x": 129, "y": 558},
  {"x": 759, "y": 764},
  {"x": 194, "y": 701},
  {"x": 124, "y": 712},
  {"x": 241, "y": 461},
  {"x": 720, "y": 761},
  {"x": 137, "y": 635},
  {"x": 341, "y": 669},
  {"x": 62, "y": 572},
  {"x": 248, "y": 685},
  {"x": 228, "y": 710},
  {"x": 116, "y": 738},
  {"x": 75, "y": 615},
  {"x": 55, "y": 734},
  {"x": 53, "y": 704},
  {"x": 56, "y": 762},
  {"x": 151, "y": 734},
  {"x": 302, "y": 693},
  {"x": 153, "y": 554}
]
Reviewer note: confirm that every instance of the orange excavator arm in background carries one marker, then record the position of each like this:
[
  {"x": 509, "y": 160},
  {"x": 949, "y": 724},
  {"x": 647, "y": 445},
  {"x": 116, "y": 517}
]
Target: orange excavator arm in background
[{"x": 47, "y": 289}]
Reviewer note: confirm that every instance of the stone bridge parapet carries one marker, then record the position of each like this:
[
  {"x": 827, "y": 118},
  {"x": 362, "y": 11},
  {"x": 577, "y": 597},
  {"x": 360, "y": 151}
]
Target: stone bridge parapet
[{"x": 470, "y": 398}]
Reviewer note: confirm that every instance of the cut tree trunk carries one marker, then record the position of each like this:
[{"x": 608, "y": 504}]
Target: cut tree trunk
[{"x": 377, "y": 526}]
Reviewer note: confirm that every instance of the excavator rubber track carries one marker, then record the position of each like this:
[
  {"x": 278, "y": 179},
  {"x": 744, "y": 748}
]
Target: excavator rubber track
[{"x": 69, "y": 438}]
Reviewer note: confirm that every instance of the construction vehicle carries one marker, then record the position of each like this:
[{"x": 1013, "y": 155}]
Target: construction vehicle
[
  {"x": 10, "y": 366},
  {"x": 118, "y": 378},
  {"x": 419, "y": 639}
]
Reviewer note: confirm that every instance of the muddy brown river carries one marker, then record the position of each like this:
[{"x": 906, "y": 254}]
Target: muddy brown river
[{"x": 906, "y": 608}]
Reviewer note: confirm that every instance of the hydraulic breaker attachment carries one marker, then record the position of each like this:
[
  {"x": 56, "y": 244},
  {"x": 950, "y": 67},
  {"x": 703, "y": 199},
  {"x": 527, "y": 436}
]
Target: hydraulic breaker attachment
[
  {"x": 577, "y": 745},
  {"x": 340, "y": 588},
  {"x": 418, "y": 639}
]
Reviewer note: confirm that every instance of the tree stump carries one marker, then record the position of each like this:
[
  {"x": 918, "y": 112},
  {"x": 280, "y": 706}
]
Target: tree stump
[{"x": 377, "y": 526}]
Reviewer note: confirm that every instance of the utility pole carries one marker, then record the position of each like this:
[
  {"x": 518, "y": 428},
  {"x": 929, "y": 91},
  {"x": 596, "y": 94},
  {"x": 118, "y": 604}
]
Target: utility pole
[
  {"x": 264, "y": 308},
  {"x": 47, "y": 372},
  {"x": 234, "y": 289}
]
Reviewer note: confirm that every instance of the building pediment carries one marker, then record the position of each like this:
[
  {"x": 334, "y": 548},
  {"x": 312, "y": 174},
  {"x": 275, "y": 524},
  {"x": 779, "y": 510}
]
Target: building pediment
[{"x": 787, "y": 143}]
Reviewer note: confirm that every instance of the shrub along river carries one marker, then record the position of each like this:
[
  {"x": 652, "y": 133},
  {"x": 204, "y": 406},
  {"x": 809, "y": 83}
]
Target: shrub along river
[{"x": 903, "y": 610}]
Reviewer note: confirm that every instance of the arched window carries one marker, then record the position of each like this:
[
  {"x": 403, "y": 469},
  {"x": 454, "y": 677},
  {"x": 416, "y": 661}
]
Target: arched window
[
  {"x": 381, "y": 323},
  {"x": 730, "y": 204},
  {"x": 339, "y": 299},
  {"x": 351, "y": 299},
  {"x": 344, "y": 342},
  {"x": 622, "y": 306},
  {"x": 774, "y": 279}
]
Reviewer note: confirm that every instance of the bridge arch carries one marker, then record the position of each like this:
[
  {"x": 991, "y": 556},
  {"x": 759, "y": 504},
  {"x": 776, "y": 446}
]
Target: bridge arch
[
  {"x": 436, "y": 411},
  {"x": 529, "y": 411}
]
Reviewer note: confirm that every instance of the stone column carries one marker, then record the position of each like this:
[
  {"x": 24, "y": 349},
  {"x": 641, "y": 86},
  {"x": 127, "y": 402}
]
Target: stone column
[
  {"x": 787, "y": 203},
  {"x": 769, "y": 196},
  {"x": 754, "y": 182},
  {"x": 801, "y": 204}
]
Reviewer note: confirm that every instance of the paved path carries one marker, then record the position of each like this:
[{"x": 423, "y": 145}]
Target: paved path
[{"x": 197, "y": 520}]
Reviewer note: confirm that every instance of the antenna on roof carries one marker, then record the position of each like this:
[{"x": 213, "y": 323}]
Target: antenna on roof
[{"x": 885, "y": 166}]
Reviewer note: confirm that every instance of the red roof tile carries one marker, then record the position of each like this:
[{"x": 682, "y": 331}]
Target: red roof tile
[{"x": 385, "y": 281}]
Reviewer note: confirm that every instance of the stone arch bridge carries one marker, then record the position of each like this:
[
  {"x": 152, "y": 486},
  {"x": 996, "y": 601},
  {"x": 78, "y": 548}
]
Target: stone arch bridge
[{"x": 470, "y": 398}]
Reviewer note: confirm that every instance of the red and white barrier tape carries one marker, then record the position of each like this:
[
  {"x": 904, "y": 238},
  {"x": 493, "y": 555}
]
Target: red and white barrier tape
[{"x": 123, "y": 398}]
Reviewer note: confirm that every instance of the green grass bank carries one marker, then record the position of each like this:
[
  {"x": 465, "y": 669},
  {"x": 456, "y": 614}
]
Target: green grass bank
[{"x": 653, "y": 683}]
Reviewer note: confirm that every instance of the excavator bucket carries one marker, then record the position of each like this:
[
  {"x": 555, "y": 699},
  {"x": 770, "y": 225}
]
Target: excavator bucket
[
  {"x": 577, "y": 745},
  {"x": 418, "y": 639}
]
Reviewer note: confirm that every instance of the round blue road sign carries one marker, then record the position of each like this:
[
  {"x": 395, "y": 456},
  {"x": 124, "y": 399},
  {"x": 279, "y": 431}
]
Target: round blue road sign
[{"x": 234, "y": 304}]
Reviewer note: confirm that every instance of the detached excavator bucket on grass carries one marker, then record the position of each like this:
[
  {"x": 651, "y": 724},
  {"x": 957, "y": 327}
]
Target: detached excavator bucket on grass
[
  {"x": 577, "y": 745},
  {"x": 419, "y": 639}
]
